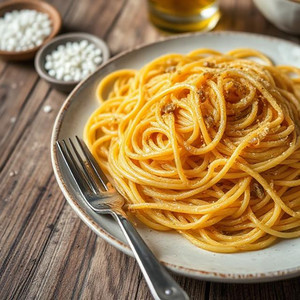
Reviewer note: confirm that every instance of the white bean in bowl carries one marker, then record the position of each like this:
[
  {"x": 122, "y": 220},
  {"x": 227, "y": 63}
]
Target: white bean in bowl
[
  {"x": 73, "y": 61},
  {"x": 24, "y": 29}
]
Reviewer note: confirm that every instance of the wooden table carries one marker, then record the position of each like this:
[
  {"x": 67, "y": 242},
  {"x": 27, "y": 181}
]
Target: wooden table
[{"x": 46, "y": 251}]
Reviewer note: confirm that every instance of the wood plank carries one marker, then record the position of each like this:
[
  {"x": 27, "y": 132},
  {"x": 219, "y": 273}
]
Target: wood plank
[
  {"x": 77, "y": 264},
  {"x": 95, "y": 17},
  {"x": 29, "y": 207},
  {"x": 18, "y": 167},
  {"x": 281, "y": 290},
  {"x": 25, "y": 254},
  {"x": 195, "y": 289},
  {"x": 66, "y": 258},
  {"x": 21, "y": 100},
  {"x": 132, "y": 28},
  {"x": 112, "y": 275}
]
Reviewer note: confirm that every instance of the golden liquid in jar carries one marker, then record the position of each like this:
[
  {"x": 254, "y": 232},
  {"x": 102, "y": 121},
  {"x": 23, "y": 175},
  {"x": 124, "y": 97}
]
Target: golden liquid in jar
[{"x": 184, "y": 15}]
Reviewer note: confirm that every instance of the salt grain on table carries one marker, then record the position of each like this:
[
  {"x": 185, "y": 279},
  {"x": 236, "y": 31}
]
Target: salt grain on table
[
  {"x": 13, "y": 120},
  {"x": 13, "y": 173},
  {"x": 47, "y": 109}
]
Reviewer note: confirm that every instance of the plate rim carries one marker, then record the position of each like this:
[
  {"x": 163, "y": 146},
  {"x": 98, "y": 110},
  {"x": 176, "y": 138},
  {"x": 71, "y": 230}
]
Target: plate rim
[{"x": 85, "y": 217}]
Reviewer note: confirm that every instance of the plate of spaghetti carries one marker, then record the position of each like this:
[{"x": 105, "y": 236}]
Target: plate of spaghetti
[{"x": 201, "y": 135}]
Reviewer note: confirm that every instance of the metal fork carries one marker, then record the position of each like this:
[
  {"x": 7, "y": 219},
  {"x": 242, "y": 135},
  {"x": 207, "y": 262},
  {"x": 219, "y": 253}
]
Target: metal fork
[{"x": 102, "y": 198}]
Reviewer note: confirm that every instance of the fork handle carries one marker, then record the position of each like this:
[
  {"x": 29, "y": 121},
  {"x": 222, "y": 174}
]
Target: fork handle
[{"x": 160, "y": 282}]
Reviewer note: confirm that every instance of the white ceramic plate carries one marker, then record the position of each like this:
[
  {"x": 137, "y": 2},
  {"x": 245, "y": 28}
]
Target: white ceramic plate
[{"x": 279, "y": 261}]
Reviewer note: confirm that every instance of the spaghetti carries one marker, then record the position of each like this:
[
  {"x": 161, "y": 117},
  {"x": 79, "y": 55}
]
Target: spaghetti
[{"x": 206, "y": 144}]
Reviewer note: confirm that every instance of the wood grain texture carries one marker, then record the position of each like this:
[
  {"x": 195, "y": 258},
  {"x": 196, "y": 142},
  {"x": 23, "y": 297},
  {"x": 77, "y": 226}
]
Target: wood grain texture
[{"x": 46, "y": 252}]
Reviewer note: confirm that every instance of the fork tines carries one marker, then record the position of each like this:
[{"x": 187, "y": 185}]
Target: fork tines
[{"x": 82, "y": 165}]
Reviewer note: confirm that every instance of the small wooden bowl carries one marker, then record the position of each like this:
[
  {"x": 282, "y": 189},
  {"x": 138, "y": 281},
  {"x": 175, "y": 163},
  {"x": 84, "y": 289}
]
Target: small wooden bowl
[{"x": 39, "y": 6}]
